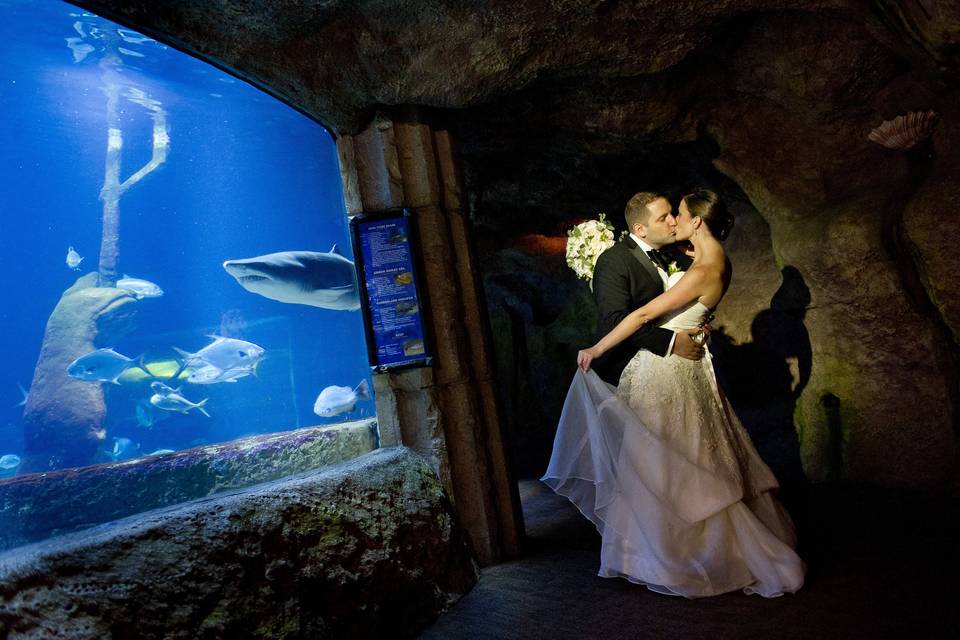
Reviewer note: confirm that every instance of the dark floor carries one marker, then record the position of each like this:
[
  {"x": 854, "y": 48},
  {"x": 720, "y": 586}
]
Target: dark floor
[{"x": 881, "y": 564}]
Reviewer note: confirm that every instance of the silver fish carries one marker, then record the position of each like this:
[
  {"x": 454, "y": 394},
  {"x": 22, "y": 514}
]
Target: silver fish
[
  {"x": 26, "y": 395},
  {"x": 9, "y": 463},
  {"x": 209, "y": 374},
  {"x": 224, "y": 354},
  {"x": 176, "y": 402},
  {"x": 163, "y": 389},
  {"x": 327, "y": 280},
  {"x": 335, "y": 400},
  {"x": 124, "y": 449},
  {"x": 102, "y": 365},
  {"x": 73, "y": 259},
  {"x": 139, "y": 288},
  {"x": 147, "y": 416}
]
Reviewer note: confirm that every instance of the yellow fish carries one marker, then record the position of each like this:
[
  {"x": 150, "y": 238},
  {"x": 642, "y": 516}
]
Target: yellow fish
[
  {"x": 160, "y": 369},
  {"x": 403, "y": 278}
]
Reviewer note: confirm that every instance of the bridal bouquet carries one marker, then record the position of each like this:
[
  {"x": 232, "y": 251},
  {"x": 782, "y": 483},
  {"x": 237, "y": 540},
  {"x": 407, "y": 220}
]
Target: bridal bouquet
[{"x": 585, "y": 243}]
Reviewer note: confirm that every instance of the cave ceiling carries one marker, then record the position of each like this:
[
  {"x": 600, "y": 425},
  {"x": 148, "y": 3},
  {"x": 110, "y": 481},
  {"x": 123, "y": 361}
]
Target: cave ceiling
[
  {"x": 338, "y": 60},
  {"x": 541, "y": 92}
]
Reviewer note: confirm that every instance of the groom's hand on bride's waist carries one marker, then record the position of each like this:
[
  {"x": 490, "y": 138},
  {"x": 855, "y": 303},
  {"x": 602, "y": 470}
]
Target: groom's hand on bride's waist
[{"x": 685, "y": 346}]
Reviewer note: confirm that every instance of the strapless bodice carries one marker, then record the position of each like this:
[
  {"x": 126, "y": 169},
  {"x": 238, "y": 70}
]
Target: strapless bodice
[{"x": 691, "y": 317}]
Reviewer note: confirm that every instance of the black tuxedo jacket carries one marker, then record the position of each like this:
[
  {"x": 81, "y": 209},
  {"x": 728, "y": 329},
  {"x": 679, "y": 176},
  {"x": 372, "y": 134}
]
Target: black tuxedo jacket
[{"x": 625, "y": 279}]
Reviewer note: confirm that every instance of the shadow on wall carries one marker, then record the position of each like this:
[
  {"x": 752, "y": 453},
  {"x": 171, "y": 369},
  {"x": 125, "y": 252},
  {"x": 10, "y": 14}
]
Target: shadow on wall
[{"x": 764, "y": 378}]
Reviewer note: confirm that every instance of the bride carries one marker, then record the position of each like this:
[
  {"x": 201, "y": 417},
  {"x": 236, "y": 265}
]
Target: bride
[{"x": 661, "y": 464}]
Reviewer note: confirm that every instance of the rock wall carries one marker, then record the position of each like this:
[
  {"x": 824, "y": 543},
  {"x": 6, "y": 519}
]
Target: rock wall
[
  {"x": 366, "y": 550},
  {"x": 39, "y": 505}
]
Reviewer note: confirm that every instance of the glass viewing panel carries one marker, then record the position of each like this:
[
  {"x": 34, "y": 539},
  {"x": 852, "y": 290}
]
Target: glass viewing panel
[{"x": 227, "y": 303}]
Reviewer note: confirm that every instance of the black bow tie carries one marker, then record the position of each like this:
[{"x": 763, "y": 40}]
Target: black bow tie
[{"x": 658, "y": 258}]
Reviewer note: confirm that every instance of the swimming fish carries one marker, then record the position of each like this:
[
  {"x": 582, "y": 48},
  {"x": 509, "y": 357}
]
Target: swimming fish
[
  {"x": 335, "y": 400},
  {"x": 163, "y": 389},
  {"x": 26, "y": 394},
  {"x": 173, "y": 401},
  {"x": 209, "y": 374},
  {"x": 139, "y": 288},
  {"x": 9, "y": 464},
  {"x": 326, "y": 280},
  {"x": 224, "y": 354},
  {"x": 73, "y": 259},
  {"x": 161, "y": 369},
  {"x": 147, "y": 416},
  {"x": 102, "y": 365},
  {"x": 124, "y": 449},
  {"x": 160, "y": 452}
]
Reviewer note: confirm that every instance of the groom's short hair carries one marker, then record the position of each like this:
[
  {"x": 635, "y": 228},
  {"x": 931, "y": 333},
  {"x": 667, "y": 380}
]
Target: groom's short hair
[{"x": 636, "y": 211}]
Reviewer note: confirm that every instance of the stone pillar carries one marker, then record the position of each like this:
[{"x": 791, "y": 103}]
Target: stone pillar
[{"x": 447, "y": 412}]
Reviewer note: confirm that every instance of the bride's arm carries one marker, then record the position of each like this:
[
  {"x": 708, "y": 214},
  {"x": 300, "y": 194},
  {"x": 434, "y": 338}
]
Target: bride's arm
[{"x": 687, "y": 289}]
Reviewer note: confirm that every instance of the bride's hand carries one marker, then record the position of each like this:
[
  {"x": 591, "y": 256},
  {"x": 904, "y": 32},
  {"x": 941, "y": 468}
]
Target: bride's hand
[{"x": 585, "y": 357}]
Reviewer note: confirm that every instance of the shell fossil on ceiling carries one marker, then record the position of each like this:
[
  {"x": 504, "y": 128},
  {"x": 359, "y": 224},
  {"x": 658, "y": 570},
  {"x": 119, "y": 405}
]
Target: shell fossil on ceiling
[{"x": 906, "y": 131}]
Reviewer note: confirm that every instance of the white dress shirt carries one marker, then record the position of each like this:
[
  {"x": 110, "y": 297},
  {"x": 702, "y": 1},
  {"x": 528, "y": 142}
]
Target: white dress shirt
[{"x": 663, "y": 276}]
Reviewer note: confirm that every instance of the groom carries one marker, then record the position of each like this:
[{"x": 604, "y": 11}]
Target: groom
[{"x": 630, "y": 274}]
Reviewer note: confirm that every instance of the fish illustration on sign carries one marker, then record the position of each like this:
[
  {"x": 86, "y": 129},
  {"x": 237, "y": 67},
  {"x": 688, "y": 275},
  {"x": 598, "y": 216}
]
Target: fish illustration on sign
[
  {"x": 407, "y": 307},
  {"x": 73, "y": 259},
  {"x": 326, "y": 280},
  {"x": 335, "y": 400}
]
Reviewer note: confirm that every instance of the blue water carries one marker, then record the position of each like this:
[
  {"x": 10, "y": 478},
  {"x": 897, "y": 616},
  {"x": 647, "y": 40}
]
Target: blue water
[{"x": 245, "y": 175}]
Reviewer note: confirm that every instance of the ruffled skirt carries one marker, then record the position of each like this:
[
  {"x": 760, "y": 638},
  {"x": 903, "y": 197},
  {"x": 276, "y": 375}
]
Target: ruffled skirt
[{"x": 682, "y": 501}]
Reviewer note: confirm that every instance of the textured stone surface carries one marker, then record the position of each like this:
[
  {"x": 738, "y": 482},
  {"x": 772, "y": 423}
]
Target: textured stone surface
[
  {"x": 338, "y": 59},
  {"x": 64, "y": 417},
  {"x": 365, "y": 550},
  {"x": 36, "y": 506},
  {"x": 540, "y": 315}
]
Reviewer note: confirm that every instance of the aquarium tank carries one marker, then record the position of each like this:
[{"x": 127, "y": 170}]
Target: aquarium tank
[{"x": 178, "y": 279}]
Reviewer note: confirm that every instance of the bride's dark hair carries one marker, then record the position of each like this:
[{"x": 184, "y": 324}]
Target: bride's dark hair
[{"x": 712, "y": 211}]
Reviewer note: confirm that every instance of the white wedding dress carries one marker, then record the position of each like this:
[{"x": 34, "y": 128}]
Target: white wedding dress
[{"x": 666, "y": 472}]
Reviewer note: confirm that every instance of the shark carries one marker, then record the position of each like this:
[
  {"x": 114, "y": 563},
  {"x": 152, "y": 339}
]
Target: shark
[{"x": 318, "y": 279}]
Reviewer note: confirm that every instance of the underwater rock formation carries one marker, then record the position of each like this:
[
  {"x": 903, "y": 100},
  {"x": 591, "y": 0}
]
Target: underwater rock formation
[
  {"x": 63, "y": 420},
  {"x": 36, "y": 506},
  {"x": 368, "y": 549}
]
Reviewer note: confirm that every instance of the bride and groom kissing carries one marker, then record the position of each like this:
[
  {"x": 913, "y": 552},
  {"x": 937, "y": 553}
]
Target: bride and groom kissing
[{"x": 648, "y": 447}]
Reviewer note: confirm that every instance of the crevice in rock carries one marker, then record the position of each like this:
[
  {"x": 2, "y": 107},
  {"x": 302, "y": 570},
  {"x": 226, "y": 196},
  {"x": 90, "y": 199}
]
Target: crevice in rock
[{"x": 907, "y": 258}]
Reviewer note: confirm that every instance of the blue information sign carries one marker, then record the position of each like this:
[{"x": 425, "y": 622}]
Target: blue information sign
[{"x": 384, "y": 244}]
